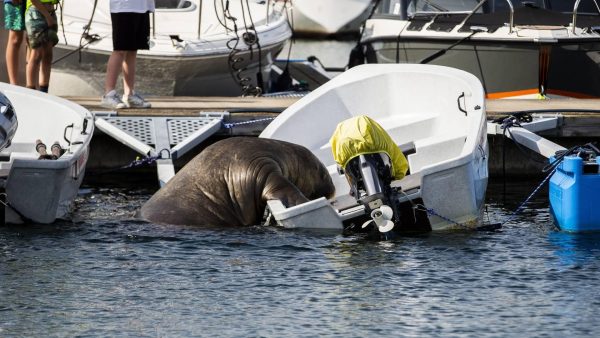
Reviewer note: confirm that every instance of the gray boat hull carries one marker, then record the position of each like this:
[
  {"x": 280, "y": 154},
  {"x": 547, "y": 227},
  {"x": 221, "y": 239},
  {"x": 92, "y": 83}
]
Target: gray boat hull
[{"x": 508, "y": 69}]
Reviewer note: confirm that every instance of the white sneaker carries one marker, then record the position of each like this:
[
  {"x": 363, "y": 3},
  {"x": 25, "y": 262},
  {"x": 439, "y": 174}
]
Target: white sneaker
[
  {"x": 136, "y": 101},
  {"x": 112, "y": 101}
]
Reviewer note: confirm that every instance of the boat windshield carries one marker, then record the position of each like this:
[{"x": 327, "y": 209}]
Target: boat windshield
[
  {"x": 173, "y": 4},
  {"x": 436, "y": 6}
]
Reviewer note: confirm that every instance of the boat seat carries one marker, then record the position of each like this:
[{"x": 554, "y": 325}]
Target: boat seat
[{"x": 434, "y": 150}]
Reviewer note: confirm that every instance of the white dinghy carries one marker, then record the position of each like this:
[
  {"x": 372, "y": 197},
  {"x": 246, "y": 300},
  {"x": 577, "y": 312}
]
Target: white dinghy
[
  {"x": 197, "y": 47},
  {"x": 42, "y": 190},
  {"x": 435, "y": 114}
]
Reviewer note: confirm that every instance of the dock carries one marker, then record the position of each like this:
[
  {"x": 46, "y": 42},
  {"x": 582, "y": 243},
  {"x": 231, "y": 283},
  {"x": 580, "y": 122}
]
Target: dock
[{"x": 248, "y": 116}]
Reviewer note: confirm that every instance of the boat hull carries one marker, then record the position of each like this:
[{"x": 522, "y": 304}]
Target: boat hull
[
  {"x": 208, "y": 75},
  {"x": 41, "y": 191},
  {"x": 195, "y": 50},
  {"x": 328, "y": 17},
  {"x": 508, "y": 69},
  {"x": 444, "y": 136}
]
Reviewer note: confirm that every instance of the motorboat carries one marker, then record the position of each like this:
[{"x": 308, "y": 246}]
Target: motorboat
[
  {"x": 529, "y": 49},
  {"x": 38, "y": 187},
  {"x": 197, "y": 47},
  {"x": 434, "y": 114},
  {"x": 329, "y": 17}
]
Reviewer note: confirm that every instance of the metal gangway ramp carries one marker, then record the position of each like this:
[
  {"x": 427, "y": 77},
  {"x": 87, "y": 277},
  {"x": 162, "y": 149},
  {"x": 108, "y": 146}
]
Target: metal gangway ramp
[{"x": 166, "y": 138}]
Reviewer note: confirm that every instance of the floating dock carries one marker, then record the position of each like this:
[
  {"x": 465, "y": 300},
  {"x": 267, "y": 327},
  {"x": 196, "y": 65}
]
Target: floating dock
[{"x": 248, "y": 116}]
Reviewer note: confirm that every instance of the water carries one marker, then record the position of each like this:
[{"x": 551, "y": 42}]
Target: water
[{"x": 108, "y": 274}]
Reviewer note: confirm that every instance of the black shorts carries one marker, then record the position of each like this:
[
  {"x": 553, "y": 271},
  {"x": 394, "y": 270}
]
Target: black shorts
[{"x": 130, "y": 31}]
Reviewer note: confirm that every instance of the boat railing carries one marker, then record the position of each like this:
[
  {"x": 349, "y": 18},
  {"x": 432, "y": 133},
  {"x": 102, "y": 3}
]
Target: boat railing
[
  {"x": 200, "y": 6},
  {"x": 470, "y": 13},
  {"x": 576, "y": 8},
  {"x": 511, "y": 18}
]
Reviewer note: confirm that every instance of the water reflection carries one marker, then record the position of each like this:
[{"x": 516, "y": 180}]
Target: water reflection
[
  {"x": 108, "y": 274},
  {"x": 575, "y": 249}
]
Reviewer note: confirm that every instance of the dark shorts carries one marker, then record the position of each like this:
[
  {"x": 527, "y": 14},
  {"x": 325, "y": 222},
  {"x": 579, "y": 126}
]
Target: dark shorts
[
  {"x": 38, "y": 32},
  {"x": 130, "y": 31}
]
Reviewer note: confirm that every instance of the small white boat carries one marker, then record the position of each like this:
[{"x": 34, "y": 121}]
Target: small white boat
[
  {"x": 329, "y": 17},
  {"x": 196, "y": 47},
  {"x": 37, "y": 190},
  {"x": 435, "y": 114}
]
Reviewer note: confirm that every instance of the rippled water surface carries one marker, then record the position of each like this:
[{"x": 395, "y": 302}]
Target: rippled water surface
[{"x": 107, "y": 274}]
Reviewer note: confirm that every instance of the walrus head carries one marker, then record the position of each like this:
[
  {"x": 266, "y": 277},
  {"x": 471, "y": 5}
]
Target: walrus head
[{"x": 313, "y": 179}]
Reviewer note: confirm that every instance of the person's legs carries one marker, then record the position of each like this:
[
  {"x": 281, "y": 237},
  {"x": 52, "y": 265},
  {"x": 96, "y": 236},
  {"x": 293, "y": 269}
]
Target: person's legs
[
  {"x": 45, "y": 67},
  {"x": 111, "y": 99},
  {"x": 130, "y": 98},
  {"x": 113, "y": 69},
  {"x": 129, "y": 72},
  {"x": 37, "y": 38},
  {"x": 14, "y": 22},
  {"x": 15, "y": 39},
  {"x": 33, "y": 67}
]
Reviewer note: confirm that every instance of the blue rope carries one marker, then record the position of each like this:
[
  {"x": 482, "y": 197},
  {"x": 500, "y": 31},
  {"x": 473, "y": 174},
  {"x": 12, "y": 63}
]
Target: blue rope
[
  {"x": 138, "y": 162},
  {"x": 231, "y": 125},
  {"x": 522, "y": 205},
  {"x": 432, "y": 212}
]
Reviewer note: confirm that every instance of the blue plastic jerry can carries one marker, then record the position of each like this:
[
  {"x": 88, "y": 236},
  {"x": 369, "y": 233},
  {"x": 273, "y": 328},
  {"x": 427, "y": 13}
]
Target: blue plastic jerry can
[{"x": 575, "y": 194}]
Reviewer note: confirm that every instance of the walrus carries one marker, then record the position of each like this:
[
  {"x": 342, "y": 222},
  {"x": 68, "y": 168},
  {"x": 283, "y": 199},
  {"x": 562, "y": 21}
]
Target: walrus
[{"x": 230, "y": 182}]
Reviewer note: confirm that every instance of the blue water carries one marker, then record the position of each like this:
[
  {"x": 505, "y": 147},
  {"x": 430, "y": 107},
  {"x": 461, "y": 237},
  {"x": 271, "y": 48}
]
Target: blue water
[{"x": 107, "y": 274}]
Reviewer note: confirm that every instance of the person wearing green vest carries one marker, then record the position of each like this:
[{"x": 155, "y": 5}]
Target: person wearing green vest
[{"x": 41, "y": 26}]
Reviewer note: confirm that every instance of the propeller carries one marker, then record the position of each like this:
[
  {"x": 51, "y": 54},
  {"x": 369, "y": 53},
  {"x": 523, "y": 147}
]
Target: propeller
[{"x": 382, "y": 217}]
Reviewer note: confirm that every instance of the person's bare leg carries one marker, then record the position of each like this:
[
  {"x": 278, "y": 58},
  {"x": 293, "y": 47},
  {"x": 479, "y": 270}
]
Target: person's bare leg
[
  {"x": 46, "y": 65},
  {"x": 15, "y": 39},
  {"x": 129, "y": 72},
  {"x": 113, "y": 69},
  {"x": 33, "y": 67}
]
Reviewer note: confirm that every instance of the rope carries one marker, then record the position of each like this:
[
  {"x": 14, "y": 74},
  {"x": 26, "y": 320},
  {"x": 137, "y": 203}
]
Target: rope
[
  {"x": 138, "y": 162},
  {"x": 432, "y": 212},
  {"x": 231, "y": 125},
  {"x": 522, "y": 205},
  {"x": 235, "y": 61}
]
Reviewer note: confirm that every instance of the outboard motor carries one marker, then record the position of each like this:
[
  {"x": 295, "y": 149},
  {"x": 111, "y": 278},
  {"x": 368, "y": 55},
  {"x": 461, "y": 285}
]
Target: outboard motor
[
  {"x": 8, "y": 121},
  {"x": 371, "y": 160},
  {"x": 370, "y": 176}
]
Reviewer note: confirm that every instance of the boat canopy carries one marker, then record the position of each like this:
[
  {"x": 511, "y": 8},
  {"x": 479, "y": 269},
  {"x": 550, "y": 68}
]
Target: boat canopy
[{"x": 492, "y": 14}]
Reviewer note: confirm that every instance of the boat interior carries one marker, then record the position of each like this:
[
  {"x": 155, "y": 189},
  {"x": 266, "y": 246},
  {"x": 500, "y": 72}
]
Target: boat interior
[{"x": 44, "y": 117}]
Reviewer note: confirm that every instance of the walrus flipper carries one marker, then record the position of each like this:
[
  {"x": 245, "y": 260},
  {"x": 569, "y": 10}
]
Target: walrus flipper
[{"x": 280, "y": 188}]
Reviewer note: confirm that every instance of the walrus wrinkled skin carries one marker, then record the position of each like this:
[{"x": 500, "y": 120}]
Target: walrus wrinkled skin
[{"x": 230, "y": 182}]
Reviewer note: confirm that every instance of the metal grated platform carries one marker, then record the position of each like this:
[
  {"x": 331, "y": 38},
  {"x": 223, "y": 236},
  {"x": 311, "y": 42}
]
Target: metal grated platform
[
  {"x": 151, "y": 136},
  {"x": 143, "y": 128},
  {"x": 138, "y": 127}
]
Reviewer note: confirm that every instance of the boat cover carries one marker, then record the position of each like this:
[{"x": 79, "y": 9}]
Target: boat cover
[{"x": 361, "y": 135}]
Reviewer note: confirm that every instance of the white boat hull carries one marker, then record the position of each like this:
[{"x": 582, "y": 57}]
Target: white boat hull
[
  {"x": 42, "y": 191},
  {"x": 435, "y": 114},
  {"x": 329, "y": 17},
  {"x": 190, "y": 49}
]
